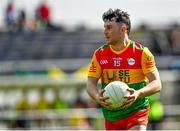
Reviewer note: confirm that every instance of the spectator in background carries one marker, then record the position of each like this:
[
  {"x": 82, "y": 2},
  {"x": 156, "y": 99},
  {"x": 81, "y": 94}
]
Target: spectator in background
[
  {"x": 43, "y": 17},
  {"x": 43, "y": 14},
  {"x": 21, "y": 21},
  {"x": 10, "y": 17}
]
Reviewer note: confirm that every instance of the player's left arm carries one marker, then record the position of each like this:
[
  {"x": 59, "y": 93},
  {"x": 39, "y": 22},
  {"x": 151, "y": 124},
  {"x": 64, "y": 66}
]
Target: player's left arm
[
  {"x": 153, "y": 87},
  {"x": 152, "y": 74}
]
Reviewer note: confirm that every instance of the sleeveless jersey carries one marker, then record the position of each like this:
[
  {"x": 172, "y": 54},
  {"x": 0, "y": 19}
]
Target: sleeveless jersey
[{"x": 128, "y": 65}]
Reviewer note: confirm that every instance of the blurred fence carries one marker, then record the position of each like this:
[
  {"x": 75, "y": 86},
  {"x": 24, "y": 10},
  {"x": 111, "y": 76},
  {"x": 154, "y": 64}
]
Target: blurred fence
[
  {"x": 55, "y": 119},
  {"x": 81, "y": 118}
]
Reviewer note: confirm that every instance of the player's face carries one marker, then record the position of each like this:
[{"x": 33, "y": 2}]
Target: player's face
[{"x": 112, "y": 32}]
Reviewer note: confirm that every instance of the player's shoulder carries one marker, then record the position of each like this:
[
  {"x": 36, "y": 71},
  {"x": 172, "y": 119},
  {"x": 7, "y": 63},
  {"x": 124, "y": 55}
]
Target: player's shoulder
[
  {"x": 145, "y": 50},
  {"x": 102, "y": 48},
  {"x": 137, "y": 45}
]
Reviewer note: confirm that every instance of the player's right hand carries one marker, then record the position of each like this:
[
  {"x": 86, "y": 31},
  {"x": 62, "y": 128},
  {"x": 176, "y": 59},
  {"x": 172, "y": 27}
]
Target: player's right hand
[{"x": 100, "y": 99}]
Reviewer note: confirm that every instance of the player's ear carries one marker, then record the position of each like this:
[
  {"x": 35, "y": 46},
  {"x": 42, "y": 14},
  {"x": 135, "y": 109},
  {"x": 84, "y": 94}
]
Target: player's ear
[{"x": 123, "y": 28}]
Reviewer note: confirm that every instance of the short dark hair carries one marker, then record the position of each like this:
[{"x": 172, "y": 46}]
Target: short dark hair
[{"x": 119, "y": 16}]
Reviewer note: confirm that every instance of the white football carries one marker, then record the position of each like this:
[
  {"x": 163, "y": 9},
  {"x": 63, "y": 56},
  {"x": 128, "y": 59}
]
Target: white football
[{"x": 116, "y": 91}]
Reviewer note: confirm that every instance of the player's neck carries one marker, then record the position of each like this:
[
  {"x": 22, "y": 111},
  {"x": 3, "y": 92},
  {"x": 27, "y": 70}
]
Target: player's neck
[{"x": 120, "y": 45}]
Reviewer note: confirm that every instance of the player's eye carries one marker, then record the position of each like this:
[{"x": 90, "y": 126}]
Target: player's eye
[{"x": 108, "y": 27}]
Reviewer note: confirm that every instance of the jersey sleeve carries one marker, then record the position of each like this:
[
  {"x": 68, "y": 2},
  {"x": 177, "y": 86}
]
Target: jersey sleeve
[
  {"x": 94, "y": 68},
  {"x": 148, "y": 61}
]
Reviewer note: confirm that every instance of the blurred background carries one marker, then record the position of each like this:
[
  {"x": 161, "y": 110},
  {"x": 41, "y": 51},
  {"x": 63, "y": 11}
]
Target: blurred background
[{"x": 46, "y": 47}]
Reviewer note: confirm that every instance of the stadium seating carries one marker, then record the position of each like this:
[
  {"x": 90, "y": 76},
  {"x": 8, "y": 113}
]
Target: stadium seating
[{"x": 49, "y": 45}]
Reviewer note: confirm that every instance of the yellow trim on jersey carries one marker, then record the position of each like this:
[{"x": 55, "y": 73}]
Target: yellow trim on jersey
[{"x": 119, "y": 52}]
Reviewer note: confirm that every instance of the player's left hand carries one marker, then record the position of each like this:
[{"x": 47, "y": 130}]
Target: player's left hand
[{"x": 131, "y": 98}]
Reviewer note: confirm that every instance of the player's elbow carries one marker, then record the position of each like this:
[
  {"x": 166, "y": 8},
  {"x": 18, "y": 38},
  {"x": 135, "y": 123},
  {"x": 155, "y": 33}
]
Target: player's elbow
[
  {"x": 87, "y": 89},
  {"x": 159, "y": 86}
]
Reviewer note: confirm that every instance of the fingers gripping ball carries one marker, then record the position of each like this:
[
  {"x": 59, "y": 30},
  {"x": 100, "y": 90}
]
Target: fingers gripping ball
[{"x": 116, "y": 91}]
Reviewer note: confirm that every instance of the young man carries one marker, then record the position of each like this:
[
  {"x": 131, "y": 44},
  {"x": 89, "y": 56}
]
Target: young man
[{"x": 122, "y": 59}]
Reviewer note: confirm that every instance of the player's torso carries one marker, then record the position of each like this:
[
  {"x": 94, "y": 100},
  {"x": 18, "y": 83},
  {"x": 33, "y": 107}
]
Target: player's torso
[{"x": 123, "y": 66}]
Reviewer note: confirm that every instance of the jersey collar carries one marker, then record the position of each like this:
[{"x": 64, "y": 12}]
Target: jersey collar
[{"x": 119, "y": 52}]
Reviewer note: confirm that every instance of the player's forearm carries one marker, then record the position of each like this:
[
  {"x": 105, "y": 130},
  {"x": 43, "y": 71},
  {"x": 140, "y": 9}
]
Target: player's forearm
[
  {"x": 152, "y": 88},
  {"x": 92, "y": 92},
  {"x": 92, "y": 89}
]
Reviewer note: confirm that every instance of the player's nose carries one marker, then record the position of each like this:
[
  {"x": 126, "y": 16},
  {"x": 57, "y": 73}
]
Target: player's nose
[{"x": 105, "y": 32}]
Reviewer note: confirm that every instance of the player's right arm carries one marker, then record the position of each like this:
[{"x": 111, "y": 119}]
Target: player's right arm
[
  {"x": 95, "y": 94},
  {"x": 94, "y": 74}
]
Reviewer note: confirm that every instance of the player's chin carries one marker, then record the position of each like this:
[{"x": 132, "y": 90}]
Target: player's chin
[{"x": 109, "y": 42}]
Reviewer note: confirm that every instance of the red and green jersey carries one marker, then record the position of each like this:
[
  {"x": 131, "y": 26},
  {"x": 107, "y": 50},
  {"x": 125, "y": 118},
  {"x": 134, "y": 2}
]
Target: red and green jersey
[{"x": 128, "y": 65}]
